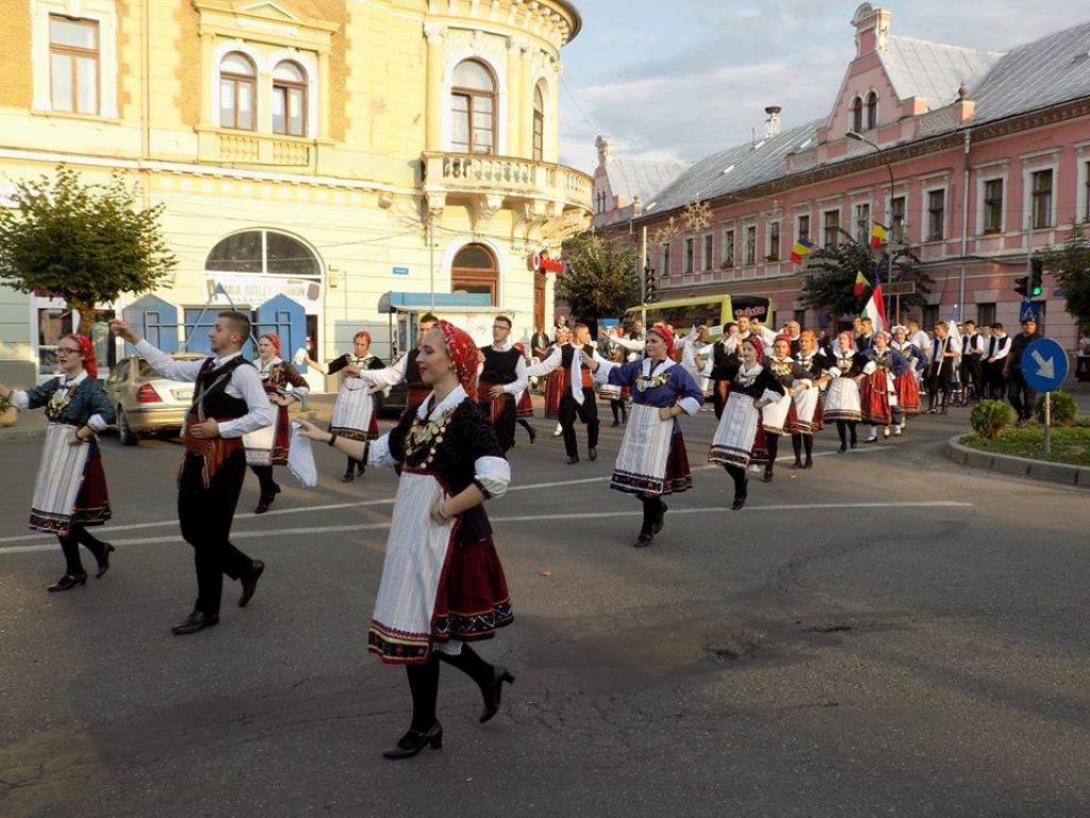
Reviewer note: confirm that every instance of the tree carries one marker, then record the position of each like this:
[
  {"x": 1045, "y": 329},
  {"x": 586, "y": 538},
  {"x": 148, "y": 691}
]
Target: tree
[
  {"x": 85, "y": 243},
  {"x": 1070, "y": 266},
  {"x": 600, "y": 279},
  {"x": 832, "y": 270}
]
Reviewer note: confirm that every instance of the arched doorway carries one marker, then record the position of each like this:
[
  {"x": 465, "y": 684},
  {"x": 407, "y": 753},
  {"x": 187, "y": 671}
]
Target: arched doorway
[{"x": 474, "y": 270}]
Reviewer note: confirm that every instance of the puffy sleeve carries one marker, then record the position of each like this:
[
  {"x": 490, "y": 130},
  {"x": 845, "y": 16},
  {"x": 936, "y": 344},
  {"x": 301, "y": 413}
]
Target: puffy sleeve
[
  {"x": 690, "y": 396},
  {"x": 100, "y": 410},
  {"x": 617, "y": 374},
  {"x": 491, "y": 471},
  {"x": 36, "y": 396}
]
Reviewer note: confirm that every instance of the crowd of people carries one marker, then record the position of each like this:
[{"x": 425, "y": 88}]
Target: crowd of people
[{"x": 443, "y": 586}]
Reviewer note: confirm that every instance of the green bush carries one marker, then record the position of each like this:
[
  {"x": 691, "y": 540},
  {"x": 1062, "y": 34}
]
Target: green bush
[
  {"x": 1064, "y": 409},
  {"x": 989, "y": 417}
]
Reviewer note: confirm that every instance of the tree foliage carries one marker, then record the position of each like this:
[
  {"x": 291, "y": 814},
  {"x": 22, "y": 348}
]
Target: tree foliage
[
  {"x": 1070, "y": 266},
  {"x": 86, "y": 243},
  {"x": 832, "y": 270},
  {"x": 600, "y": 279}
]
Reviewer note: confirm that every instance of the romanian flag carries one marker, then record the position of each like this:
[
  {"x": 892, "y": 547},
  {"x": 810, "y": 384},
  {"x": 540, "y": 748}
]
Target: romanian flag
[
  {"x": 876, "y": 309},
  {"x": 877, "y": 236},
  {"x": 801, "y": 250},
  {"x": 861, "y": 285}
]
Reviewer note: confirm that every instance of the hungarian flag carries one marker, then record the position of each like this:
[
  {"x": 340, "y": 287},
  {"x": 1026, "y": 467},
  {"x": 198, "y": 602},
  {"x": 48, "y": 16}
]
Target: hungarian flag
[
  {"x": 877, "y": 236},
  {"x": 876, "y": 309},
  {"x": 861, "y": 285},
  {"x": 801, "y": 250}
]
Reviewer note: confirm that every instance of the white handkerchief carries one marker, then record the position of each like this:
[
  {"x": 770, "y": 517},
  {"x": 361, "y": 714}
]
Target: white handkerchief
[
  {"x": 301, "y": 459},
  {"x": 300, "y": 357}
]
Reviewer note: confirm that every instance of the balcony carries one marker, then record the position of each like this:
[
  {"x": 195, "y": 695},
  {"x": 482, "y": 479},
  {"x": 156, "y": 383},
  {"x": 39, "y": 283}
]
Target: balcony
[
  {"x": 537, "y": 184},
  {"x": 227, "y": 147}
]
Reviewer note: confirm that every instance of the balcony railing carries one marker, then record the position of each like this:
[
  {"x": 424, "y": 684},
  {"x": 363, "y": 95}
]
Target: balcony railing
[
  {"x": 507, "y": 175},
  {"x": 248, "y": 148}
]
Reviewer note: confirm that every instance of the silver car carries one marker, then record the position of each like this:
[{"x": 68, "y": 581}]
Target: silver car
[{"x": 147, "y": 403}]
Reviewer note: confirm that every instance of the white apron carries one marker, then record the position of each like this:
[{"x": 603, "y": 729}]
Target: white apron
[
  {"x": 353, "y": 409},
  {"x": 774, "y": 416},
  {"x": 60, "y": 475},
  {"x": 737, "y": 429},
  {"x": 641, "y": 462},
  {"x": 842, "y": 400},
  {"x": 806, "y": 403},
  {"x": 259, "y": 445}
]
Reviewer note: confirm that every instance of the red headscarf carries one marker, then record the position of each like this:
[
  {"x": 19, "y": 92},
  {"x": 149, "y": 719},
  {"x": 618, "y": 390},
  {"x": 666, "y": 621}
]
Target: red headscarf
[
  {"x": 273, "y": 339},
  {"x": 758, "y": 345},
  {"x": 462, "y": 353},
  {"x": 87, "y": 350},
  {"x": 362, "y": 334},
  {"x": 663, "y": 331}
]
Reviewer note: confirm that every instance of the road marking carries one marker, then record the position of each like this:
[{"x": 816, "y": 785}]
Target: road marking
[
  {"x": 521, "y": 518},
  {"x": 107, "y": 532}
]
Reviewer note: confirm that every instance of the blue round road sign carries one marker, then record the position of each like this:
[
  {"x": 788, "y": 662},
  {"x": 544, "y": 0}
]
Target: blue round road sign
[{"x": 1044, "y": 365}]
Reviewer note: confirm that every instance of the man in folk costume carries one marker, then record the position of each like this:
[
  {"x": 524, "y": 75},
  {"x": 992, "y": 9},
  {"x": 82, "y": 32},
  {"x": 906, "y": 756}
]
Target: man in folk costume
[
  {"x": 405, "y": 368},
  {"x": 972, "y": 362},
  {"x": 652, "y": 461},
  {"x": 725, "y": 347},
  {"x": 354, "y": 410},
  {"x": 940, "y": 375},
  {"x": 70, "y": 492},
  {"x": 577, "y": 398},
  {"x": 268, "y": 447},
  {"x": 442, "y": 582},
  {"x": 999, "y": 346},
  {"x": 524, "y": 404},
  {"x": 555, "y": 381},
  {"x": 228, "y": 402},
  {"x": 502, "y": 377}
]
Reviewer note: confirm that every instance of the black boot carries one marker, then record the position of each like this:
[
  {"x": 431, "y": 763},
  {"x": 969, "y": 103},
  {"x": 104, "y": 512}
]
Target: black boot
[
  {"x": 796, "y": 444},
  {"x": 489, "y": 678},
  {"x": 768, "y": 474},
  {"x": 268, "y": 494},
  {"x": 647, "y": 533},
  {"x": 660, "y": 517},
  {"x": 67, "y": 583}
]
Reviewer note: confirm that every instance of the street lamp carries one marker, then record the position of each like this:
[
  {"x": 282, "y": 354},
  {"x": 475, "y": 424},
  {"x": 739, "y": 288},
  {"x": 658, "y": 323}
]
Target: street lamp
[{"x": 858, "y": 137}]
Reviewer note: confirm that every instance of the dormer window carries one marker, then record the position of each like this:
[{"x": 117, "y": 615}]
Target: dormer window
[
  {"x": 857, "y": 115},
  {"x": 872, "y": 111}
]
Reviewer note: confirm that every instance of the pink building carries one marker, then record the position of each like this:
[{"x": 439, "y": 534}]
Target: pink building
[{"x": 989, "y": 153}]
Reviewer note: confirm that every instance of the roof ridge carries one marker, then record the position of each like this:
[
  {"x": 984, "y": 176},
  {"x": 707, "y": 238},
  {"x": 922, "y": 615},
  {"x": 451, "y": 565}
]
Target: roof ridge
[{"x": 947, "y": 45}]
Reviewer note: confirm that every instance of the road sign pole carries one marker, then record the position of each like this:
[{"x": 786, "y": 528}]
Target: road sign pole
[{"x": 1048, "y": 423}]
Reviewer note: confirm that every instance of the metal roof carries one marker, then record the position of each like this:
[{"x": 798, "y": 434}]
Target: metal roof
[
  {"x": 918, "y": 68},
  {"x": 636, "y": 177}
]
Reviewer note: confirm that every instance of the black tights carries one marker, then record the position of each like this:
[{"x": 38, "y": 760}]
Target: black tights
[
  {"x": 653, "y": 509},
  {"x": 772, "y": 443},
  {"x": 738, "y": 474},
  {"x": 355, "y": 465},
  {"x": 619, "y": 410},
  {"x": 265, "y": 478},
  {"x": 798, "y": 441},
  {"x": 525, "y": 424},
  {"x": 70, "y": 543},
  {"x": 424, "y": 682},
  {"x": 843, "y": 428}
]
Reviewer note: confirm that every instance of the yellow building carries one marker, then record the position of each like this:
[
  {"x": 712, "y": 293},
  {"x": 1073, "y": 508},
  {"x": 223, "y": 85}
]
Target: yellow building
[{"x": 328, "y": 150}]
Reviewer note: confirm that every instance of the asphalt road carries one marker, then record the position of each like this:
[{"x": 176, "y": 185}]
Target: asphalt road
[{"x": 884, "y": 635}]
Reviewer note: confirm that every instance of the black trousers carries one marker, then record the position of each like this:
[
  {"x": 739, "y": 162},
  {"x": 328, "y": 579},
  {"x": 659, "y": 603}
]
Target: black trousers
[
  {"x": 505, "y": 423},
  {"x": 1082, "y": 367},
  {"x": 1020, "y": 394},
  {"x": 971, "y": 372},
  {"x": 70, "y": 543},
  {"x": 995, "y": 380},
  {"x": 939, "y": 379},
  {"x": 587, "y": 412},
  {"x": 206, "y": 515}
]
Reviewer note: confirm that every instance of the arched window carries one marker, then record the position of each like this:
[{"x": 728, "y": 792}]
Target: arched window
[
  {"x": 238, "y": 92},
  {"x": 289, "y": 99},
  {"x": 263, "y": 251},
  {"x": 872, "y": 111},
  {"x": 474, "y": 271},
  {"x": 539, "y": 123},
  {"x": 857, "y": 115},
  {"x": 473, "y": 107}
]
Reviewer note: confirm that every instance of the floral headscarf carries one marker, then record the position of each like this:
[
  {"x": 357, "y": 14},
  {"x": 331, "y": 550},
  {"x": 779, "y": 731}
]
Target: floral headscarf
[
  {"x": 660, "y": 329},
  {"x": 273, "y": 339},
  {"x": 463, "y": 355}
]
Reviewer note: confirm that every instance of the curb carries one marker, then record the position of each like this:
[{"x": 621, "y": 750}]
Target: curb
[{"x": 1077, "y": 476}]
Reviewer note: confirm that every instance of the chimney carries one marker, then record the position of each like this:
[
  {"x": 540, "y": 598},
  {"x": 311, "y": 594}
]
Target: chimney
[
  {"x": 872, "y": 27},
  {"x": 605, "y": 148},
  {"x": 772, "y": 124}
]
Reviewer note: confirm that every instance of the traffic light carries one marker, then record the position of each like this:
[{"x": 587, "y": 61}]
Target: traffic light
[
  {"x": 649, "y": 294},
  {"x": 1021, "y": 286},
  {"x": 1036, "y": 287}
]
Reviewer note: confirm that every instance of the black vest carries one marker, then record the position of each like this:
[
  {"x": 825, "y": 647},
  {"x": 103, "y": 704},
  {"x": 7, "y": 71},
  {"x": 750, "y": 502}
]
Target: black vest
[
  {"x": 500, "y": 368},
  {"x": 210, "y": 388}
]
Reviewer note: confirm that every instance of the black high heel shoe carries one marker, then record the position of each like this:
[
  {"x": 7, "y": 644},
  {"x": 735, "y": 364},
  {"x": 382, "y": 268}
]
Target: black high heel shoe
[
  {"x": 104, "y": 565},
  {"x": 494, "y": 694},
  {"x": 414, "y": 741},
  {"x": 67, "y": 583}
]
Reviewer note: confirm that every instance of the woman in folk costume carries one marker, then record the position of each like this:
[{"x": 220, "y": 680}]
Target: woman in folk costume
[
  {"x": 878, "y": 393},
  {"x": 70, "y": 491},
  {"x": 752, "y": 388},
  {"x": 554, "y": 382},
  {"x": 354, "y": 411},
  {"x": 268, "y": 447},
  {"x": 652, "y": 461},
  {"x": 778, "y": 417},
  {"x": 808, "y": 413},
  {"x": 614, "y": 393},
  {"x": 846, "y": 368},
  {"x": 442, "y": 583},
  {"x": 524, "y": 405},
  {"x": 905, "y": 383}
]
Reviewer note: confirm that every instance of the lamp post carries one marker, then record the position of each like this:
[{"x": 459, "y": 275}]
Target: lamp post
[{"x": 858, "y": 137}]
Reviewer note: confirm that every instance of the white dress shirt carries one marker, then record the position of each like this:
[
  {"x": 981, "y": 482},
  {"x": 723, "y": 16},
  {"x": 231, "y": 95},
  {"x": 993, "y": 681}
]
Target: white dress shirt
[
  {"x": 245, "y": 383},
  {"x": 522, "y": 377}
]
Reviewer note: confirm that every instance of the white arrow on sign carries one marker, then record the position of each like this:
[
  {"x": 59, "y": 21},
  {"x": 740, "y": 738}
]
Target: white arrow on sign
[{"x": 1045, "y": 367}]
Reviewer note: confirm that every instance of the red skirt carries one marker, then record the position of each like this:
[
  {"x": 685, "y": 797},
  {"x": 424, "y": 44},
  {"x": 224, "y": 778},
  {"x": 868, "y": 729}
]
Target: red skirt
[
  {"x": 819, "y": 414},
  {"x": 472, "y": 601},
  {"x": 93, "y": 501},
  {"x": 554, "y": 390},
  {"x": 525, "y": 407},
  {"x": 626, "y": 393},
  {"x": 908, "y": 393},
  {"x": 760, "y": 448},
  {"x": 282, "y": 438},
  {"x": 679, "y": 476},
  {"x": 874, "y": 397}
]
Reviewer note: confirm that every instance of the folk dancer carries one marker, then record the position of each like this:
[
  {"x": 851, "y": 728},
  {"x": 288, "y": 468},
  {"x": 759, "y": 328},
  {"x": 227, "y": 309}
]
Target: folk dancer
[
  {"x": 577, "y": 398},
  {"x": 442, "y": 582},
  {"x": 725, "y": 347},
  {"x": 906, "y": 382},
  {"x": 228, "y": 402},
  {"x": 524, "y": 404},
  {"x": 405, "y": 369},
  {"x": 753, "y": 387},
  {"x": 354, "y": 410},
  {"x": 70, "y": 492},
  {"x": 652, "y": 461},
  {"x": 554, "y": 382},
  {"x": 502, "y": 378},
  {"x": 999, "y": 346},
  {"x": 846, "y": 369},
  {"x": 878, "y": 393},
  {"x": 777, "y": 418},
  {"x": 539, "y": 348},
  {"x": 268, "y": 447},
  {"x": 808, "y": 411},
  {"x": 940, "y": 375},
  {"x": 972, "y": 362}
]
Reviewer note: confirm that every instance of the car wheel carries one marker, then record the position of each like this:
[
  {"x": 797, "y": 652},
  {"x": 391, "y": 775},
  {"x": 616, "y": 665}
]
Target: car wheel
[{"x": 125, "y": 431}]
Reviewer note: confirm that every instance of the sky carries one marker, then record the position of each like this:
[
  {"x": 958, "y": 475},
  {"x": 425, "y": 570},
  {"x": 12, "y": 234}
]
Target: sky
[{"x": 680, "y": 79}]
